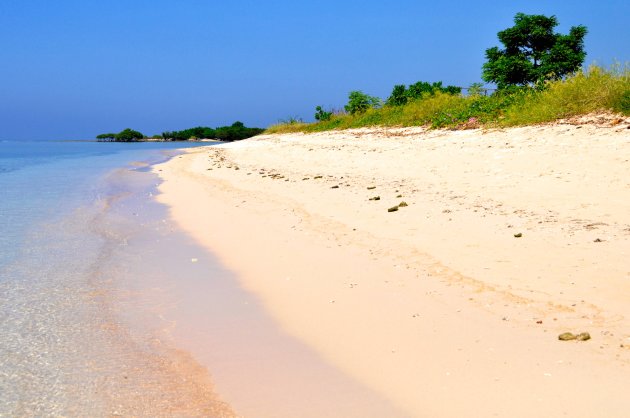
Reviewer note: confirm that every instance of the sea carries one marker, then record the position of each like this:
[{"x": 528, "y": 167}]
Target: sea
[
  {"x": 108, "y": 309},
  {"x": 75, "y": 339}
]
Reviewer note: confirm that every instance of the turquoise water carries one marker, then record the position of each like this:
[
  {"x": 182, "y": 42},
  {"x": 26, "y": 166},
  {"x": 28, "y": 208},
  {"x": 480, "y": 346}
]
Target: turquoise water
[
  {"x": 43, "y": 181},
  {"x": 66, "y": 218}
]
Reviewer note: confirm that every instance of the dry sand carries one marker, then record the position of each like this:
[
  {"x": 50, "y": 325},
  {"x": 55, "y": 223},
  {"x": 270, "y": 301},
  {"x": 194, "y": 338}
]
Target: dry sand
[{"x": 438, "y": 306}]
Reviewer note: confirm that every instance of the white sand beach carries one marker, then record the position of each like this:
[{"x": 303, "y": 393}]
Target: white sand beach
[{"x": 452, "y": 305}]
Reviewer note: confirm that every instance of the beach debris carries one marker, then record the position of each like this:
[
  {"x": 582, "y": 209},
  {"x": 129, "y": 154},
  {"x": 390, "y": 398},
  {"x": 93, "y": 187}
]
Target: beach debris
[
  {"x": 392, "y": 209},
  {"x": 597, "y": 240},
  {"x": 403, "y": 204},
  {"x": 568, "y": 336},
  {"x": 518, "y": 235},
  {"x": 318, "y": 177},
  {"x": 371, "y": 187},
  {"x": 399, "y": 196},
  {"x": 194, "y": 260},
  {"x": 583, "y": 336},
  {"x": 335, "y": 187},
  {"x": 375, "y": 198},
  {"x": 305, "y": 178}
]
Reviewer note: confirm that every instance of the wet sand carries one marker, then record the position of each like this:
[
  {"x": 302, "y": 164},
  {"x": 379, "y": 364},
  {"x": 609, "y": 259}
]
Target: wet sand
[{"x": 451, "y": 305}]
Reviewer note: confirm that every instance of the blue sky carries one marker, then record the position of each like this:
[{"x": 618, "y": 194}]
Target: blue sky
[{"x": 73, "y": 69}]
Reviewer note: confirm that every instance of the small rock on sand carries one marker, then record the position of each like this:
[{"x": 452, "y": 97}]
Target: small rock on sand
[
  {"x": 568, "y": 336},
  {"x": 584, "y": 336}
]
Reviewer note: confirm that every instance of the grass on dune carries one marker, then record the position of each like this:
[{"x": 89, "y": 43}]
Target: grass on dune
[{"x": 596, "y": 89}]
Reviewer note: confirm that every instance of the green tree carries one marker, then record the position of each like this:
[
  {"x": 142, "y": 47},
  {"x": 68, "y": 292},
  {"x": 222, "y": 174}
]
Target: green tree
[
  {"x": 128, "y": 135},
  {"x": 359, "y": 102},
  {"x": 533, "y": 52},
  {"x": 399, "y": 96},
  {"x": 108, "y": 137},
  {"x": 321, "y": 114}
]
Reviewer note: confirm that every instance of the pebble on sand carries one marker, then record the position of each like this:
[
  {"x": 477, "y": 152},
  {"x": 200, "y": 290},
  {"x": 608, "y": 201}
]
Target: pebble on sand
[{"x": 568, "y": 336}]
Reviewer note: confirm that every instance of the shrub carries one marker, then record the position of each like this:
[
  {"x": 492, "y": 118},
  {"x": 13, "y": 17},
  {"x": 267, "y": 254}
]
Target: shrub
[
  {"x": 359, "y": 102},
  {"x": 321, "y": 114},
  {"x": 107, "y": 137},
  {"x": 401, "y": 95}
]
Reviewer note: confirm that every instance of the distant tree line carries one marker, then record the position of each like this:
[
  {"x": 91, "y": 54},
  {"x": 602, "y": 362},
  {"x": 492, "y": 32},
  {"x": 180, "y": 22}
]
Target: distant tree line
[{"x": 234, "y": 132}]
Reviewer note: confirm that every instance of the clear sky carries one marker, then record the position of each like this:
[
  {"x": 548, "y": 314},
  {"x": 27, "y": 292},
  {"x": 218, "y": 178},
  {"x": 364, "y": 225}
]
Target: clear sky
[{"x": 71, "y": 69}]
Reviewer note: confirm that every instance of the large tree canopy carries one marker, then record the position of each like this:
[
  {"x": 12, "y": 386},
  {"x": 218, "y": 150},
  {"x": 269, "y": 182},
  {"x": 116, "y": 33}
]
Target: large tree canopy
[
  {"x": 533, "y": 52},
  {"x": 128, "y": 135}
]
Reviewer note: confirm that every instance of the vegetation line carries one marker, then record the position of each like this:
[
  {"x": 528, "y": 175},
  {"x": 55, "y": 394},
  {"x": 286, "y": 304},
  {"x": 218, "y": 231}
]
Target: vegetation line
[{"x": 538, "y": 76}]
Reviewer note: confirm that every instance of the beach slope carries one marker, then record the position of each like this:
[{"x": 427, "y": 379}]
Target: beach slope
[{"x": 451, "y": 303}]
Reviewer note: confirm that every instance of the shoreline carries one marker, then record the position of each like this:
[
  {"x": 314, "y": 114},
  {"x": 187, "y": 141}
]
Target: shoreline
[
  {"x": 70, "y": 346},
  {"x": 438, "y": 300}
]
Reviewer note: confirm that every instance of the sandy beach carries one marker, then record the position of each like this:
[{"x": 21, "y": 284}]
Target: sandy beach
[{"x": 452, "y": 304}]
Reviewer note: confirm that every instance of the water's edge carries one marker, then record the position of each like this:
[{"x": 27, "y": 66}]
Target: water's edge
[
  {"x": 72, "y": 344},
  {"x": 112, "y": 310}
]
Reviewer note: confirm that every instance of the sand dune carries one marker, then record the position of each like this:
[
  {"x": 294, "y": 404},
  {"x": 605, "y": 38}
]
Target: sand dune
[{"x": 452, "y": 305}]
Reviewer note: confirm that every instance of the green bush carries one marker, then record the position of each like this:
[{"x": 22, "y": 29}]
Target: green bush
[
  {"x": 106, "y": 137},
  {"x": 402, "y": 95},
  {"x": 321, "y": 114},
  {"x": 359, "y": 102}
]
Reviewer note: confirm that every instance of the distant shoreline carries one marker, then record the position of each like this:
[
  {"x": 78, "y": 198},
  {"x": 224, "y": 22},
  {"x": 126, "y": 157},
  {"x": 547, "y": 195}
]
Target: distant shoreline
[{"x": 156, "y": 140}]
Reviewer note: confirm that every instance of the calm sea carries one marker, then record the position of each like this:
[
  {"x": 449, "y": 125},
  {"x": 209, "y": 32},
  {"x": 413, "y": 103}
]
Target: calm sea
[
  {"x": 66, "y": 220},
  {"x": 108, "y": 309}
]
